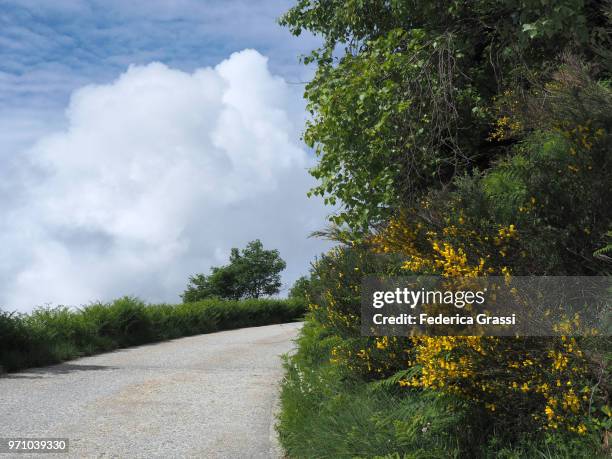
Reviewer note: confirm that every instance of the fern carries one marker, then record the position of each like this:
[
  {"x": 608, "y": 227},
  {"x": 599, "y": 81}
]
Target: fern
[
  {"x": 392, "y": 382},
  {"x": 602, "y": 253}
]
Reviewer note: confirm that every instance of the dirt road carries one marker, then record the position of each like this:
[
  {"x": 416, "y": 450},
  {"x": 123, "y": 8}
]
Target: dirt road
[{"x": 208, "y": 396}]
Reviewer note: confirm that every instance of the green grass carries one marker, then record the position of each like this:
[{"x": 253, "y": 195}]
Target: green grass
[
  {"x": 52, "y": 335},
  {"x": 330, "y": 414}
]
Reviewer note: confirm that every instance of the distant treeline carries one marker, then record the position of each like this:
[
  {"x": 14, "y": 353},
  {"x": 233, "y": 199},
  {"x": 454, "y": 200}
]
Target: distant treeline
[{"x": 52, "y": 335}]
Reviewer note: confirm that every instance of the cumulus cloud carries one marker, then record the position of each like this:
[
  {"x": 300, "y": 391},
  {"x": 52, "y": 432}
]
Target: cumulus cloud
[{"x": 157, "y": 175}]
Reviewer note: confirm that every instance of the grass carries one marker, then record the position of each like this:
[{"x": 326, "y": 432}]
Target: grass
[
  {"x": 52, "y": 335},
  {"x": 330, "y": 414}
]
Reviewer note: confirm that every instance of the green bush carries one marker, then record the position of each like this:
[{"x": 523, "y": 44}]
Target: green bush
[
  {"x": 51, "y": 335},
  {"x": 329, "y": 412}
]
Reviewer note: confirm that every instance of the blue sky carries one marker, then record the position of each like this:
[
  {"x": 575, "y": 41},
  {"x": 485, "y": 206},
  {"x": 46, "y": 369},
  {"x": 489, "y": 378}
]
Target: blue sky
[
  {"x": 51, "y": 47},
  {"x": 73, "y": 69}
]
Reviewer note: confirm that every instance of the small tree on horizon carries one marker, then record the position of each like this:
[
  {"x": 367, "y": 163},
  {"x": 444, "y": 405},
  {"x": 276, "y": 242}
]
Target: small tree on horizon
[{"x": 251, "y": 273}]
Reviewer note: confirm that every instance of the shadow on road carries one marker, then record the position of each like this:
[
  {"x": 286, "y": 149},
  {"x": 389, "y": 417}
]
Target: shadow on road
[{"x": 61, "y": 369}]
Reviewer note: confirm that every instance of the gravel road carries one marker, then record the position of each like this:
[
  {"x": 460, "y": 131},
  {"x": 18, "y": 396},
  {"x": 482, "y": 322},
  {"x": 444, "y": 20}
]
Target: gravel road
[{"x": 206, "y": 396}]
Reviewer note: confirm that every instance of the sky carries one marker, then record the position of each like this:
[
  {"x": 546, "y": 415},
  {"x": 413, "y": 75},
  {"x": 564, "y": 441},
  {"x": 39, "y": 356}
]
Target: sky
[{"x": 140, "y": 141}]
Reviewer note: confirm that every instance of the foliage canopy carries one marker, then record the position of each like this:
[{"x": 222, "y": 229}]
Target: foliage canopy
[
  {"x": 404, "y": 94},
  {"x": 251, "y": 273}
]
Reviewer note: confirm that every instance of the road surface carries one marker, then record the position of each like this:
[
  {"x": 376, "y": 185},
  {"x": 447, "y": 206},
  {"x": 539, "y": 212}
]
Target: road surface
[{"x": 208, "y": 396}]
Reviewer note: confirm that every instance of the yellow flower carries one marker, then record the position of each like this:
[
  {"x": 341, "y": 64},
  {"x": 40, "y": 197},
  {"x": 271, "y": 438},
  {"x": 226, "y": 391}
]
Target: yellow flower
[{"x": 525, "y": 387}]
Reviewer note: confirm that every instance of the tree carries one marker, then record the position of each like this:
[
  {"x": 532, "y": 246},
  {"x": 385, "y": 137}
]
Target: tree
[
  {"x": 221, "y": 283},
  {"x": 404, "y": 95},
  {"x": 251, "y": 273}
]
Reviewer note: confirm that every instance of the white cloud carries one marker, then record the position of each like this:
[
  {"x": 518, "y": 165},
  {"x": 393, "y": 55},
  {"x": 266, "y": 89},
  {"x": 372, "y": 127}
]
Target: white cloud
[{"x": 155, "y": 177}]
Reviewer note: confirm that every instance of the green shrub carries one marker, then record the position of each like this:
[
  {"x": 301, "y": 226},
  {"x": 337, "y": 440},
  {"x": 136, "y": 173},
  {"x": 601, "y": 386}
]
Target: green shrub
[{"x": 328, "y": 411}]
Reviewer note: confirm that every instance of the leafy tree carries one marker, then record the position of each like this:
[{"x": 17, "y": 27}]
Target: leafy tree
[
  {"x": 404, "y": 95},
  {"x": 221, "y": 283},
  {"x": 258, "y": 270},
  {"x": 251, "y": 273}
]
